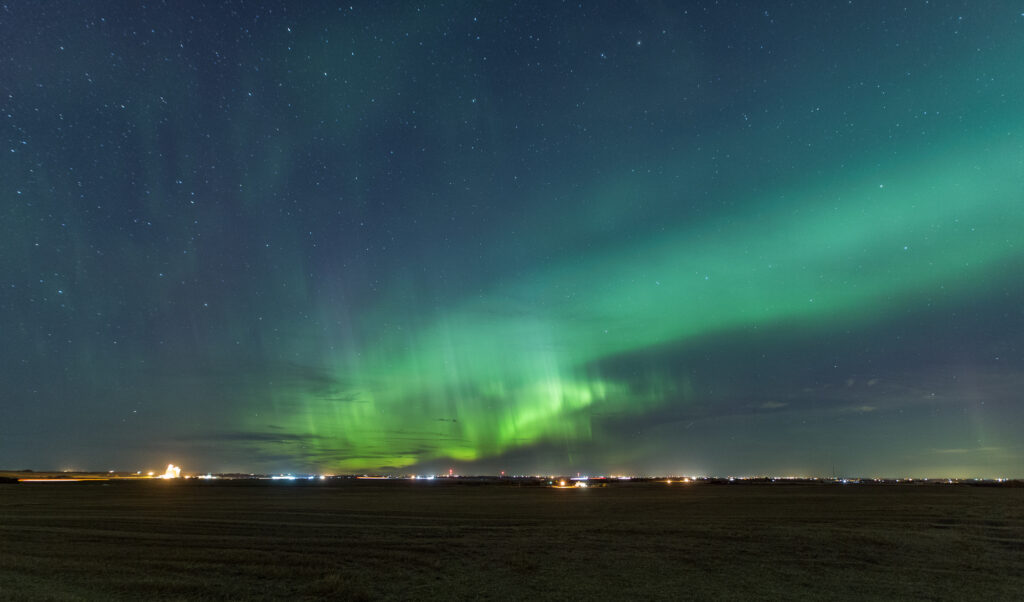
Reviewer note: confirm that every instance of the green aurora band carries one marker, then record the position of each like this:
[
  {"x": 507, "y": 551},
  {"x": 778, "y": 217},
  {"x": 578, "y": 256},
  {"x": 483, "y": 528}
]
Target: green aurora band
[{"x": 520, "y": 364}]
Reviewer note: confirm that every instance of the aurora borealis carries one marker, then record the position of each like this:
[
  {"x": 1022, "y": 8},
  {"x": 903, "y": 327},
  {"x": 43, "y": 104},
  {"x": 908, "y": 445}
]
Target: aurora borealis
[{"x": 676, "y": 238}]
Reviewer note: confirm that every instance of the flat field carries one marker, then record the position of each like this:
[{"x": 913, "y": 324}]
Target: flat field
[{"x": 358, "y": 540}]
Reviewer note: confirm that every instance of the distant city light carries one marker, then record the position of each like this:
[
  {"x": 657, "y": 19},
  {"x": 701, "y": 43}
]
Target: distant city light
[{"x": 172, "y": 472}]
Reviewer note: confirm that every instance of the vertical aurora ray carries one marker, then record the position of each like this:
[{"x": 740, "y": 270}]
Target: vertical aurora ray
[{"x": 520, "y": 364}]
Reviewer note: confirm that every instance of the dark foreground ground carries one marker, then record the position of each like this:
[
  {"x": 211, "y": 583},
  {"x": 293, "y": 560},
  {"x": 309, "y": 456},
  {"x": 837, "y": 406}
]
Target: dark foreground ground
[{"x": 165, "y": 540}]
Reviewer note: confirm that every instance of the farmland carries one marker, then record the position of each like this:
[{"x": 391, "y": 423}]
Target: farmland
[{"x": 213, "y": 541}]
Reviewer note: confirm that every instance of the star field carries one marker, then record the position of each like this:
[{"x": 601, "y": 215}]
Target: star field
[{"x": 685, "y": 238}]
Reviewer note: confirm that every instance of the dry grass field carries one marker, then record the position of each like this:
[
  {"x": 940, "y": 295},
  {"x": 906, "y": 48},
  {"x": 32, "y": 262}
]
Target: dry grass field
[{"x": 216, "y": 541}]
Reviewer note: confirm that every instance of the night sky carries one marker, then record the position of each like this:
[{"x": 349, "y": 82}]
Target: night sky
[{"x": 670, "y": 238}]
